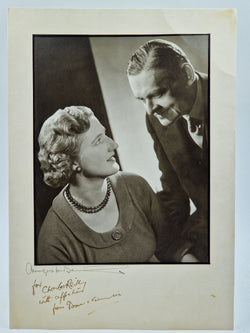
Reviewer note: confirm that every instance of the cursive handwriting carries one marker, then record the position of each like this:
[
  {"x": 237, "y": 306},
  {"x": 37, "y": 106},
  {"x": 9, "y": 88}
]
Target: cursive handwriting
[
  {"x": 66, "y": 295},
  {"x": 70, "y": 284},
  {"x": 75, "y": 285},
  {"x": 55, "y": 308},
  {"x": 30, "y": 269},
  {"x": 98, "y": 299}
]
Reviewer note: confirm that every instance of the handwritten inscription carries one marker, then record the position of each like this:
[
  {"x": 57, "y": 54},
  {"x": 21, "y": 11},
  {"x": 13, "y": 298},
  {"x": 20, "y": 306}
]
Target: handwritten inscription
[
  {"x": 67, "y": 295},
  {"x": 30, "y": 269}
]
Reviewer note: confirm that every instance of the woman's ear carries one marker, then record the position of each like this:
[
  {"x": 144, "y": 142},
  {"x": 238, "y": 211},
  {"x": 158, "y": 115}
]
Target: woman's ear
[{"x": 189, "y": 73}]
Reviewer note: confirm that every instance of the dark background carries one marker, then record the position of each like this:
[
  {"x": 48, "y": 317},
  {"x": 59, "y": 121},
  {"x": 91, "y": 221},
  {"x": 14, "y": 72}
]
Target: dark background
[{"x": 64, "y": 74}]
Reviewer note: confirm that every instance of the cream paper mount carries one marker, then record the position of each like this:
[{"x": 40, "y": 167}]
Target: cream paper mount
[{"x": 158, "y": 296}]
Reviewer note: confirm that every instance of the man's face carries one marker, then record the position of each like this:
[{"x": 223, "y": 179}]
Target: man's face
[{"x": 162, "y": 97}]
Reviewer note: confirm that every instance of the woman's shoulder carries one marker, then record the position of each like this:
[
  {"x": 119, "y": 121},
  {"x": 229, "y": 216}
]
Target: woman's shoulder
[
  {"x": 50, "y": 224},
  {"x": 52, "y": 219},
  {"x": 132, "y": 180},
  {"x": 128, "y": 177}
]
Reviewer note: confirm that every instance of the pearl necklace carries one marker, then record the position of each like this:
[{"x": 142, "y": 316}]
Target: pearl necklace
[{"x": 84, "y": 209}]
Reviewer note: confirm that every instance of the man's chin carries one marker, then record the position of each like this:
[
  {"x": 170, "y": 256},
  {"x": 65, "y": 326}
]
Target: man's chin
[{"x": 163, "y": 121}]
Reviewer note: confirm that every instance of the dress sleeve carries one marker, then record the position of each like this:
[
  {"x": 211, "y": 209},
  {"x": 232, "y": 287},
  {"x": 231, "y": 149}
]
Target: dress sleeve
[
  {"x": 55, "y": 245},
  {"x": 51, "y": 254},
  {"x": 50, "y": 250}
]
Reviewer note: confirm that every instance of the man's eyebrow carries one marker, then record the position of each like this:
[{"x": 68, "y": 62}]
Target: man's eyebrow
[
  {"x": 157, "y": 91},
  {"x": 152, "y": 93}
]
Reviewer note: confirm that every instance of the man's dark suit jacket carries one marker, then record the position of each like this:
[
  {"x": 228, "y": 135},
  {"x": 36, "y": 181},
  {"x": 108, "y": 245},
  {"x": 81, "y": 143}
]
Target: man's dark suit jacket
[{"x": 185, "y": 174}]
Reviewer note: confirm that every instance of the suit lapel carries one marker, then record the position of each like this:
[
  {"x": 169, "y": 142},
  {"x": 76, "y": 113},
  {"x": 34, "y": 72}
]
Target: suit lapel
[{"x": 173, "y": 139}]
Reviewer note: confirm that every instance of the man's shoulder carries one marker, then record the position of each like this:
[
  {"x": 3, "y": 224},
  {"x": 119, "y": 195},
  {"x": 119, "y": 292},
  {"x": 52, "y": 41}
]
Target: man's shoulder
[
  {"x": 205, "y": 91},
  {"x": 203, "y": 78}
]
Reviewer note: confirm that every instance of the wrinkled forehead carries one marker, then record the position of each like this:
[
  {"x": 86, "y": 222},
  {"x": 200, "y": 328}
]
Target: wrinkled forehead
[{"x": 147, "y": 80}]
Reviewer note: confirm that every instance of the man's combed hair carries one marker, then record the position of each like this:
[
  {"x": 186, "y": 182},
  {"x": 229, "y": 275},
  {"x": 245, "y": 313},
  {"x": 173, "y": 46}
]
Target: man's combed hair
[
  {"x": 158, "y": 53},
  {"x": 58, "y": 143}
]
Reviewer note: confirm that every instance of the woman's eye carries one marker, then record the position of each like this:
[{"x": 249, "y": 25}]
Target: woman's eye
[{"x": 99, "y": 140}]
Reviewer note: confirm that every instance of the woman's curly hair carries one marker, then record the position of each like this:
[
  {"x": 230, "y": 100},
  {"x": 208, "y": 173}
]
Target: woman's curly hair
[{"x": 58, "y": 143}]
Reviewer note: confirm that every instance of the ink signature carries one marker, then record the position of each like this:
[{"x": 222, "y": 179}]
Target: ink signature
[{"x": 70, "y": 294}]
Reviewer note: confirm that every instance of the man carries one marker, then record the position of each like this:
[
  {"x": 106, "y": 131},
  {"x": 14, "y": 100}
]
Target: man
[{"x": 176, "y": 100}]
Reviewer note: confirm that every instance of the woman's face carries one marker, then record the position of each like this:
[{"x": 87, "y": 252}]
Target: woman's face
[{"x": 96, "y": 151}]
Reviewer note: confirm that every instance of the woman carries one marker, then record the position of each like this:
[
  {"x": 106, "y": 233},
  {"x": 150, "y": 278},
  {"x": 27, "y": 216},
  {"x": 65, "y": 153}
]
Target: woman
[{"x": 101, "y": 215}]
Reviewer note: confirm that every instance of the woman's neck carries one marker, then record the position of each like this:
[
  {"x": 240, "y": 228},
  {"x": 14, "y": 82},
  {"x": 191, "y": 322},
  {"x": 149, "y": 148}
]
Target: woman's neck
[{"x": 88, "y": 191}]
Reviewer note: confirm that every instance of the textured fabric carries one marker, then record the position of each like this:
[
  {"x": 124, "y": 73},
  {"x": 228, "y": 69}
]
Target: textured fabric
[
  {"x": 184, "y": 167},
  {"x": 64, "y": 238}
]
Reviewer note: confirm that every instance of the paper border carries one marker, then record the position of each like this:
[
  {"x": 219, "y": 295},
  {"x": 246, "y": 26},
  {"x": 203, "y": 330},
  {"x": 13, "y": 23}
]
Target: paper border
[{"x": 181, "y": 291}]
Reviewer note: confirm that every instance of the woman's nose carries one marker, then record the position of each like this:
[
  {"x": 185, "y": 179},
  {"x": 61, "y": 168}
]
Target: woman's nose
[
  {"x": 112, "y": 145},
  {"x": 115, "y": 145}
]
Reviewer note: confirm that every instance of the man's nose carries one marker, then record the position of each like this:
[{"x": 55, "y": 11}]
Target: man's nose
[{"x": 149, "y": 105}]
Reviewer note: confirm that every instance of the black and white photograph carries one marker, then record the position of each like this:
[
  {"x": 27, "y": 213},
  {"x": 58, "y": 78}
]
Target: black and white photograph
[
  {"x": 121, "y": 149},
  {"x": 121, "y": 168}
]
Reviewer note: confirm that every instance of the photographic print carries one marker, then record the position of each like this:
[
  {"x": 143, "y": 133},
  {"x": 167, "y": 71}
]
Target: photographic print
[
  {"x": 121, "y": 184},
  {"x": 95, "y": 72}
]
